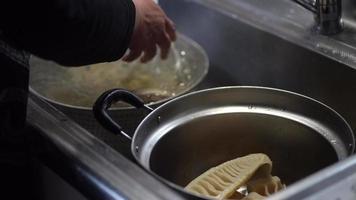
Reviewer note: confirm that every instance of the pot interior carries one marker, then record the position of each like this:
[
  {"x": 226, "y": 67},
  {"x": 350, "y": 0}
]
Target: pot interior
[{"x": 193, "y": 147}]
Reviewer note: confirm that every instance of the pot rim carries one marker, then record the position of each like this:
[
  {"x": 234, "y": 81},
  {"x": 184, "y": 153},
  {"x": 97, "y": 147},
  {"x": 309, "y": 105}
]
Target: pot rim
[{"x": 180, "y": 188}]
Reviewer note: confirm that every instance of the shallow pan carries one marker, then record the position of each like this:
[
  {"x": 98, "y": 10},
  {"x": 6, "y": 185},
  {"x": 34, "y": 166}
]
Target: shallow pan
[{"x": 73, "y": 90}]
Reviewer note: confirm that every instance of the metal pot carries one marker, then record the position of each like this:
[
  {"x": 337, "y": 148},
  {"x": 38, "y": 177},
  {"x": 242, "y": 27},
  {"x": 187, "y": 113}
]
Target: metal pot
[
  {"x": 190, "y": 134},
  {"x": 187, "y": 60}
]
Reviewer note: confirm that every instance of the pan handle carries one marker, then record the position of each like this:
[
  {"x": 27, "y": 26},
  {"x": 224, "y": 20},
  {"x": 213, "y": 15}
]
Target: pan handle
[{"x": 104, "y": 102}]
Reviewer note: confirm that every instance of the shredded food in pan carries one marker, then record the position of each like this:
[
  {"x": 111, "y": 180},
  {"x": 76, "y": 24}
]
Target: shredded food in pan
[{"x": 80, "y": 86}]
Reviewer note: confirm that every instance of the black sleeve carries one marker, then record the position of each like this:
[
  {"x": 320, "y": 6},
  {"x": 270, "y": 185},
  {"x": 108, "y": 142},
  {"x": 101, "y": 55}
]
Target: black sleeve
[{"x": 70, "y": 32}]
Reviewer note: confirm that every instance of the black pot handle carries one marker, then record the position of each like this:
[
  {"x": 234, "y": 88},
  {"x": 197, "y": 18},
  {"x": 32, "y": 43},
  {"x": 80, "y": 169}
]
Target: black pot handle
[{"x": 104, "y": 102}]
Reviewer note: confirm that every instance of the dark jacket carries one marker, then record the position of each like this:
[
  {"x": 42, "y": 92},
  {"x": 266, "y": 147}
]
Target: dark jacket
[{"x": 70, "y": 32}]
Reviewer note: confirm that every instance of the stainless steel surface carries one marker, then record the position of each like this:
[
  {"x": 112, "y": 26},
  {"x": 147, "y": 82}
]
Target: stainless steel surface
[
  {"x": 190, "y": 134},
  {"x": 327, "y": 15},
  {"x": 98, "y": 171}
]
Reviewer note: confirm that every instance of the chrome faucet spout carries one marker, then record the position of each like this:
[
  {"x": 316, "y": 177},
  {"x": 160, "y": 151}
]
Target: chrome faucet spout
[{"x": 327, "y": 15}]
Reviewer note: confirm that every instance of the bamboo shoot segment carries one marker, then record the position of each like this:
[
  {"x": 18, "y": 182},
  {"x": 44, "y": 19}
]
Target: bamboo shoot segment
[{"x": 252, "y": 171}]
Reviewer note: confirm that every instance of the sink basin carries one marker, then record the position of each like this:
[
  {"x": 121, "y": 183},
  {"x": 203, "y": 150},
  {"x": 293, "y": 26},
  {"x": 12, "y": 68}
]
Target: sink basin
[{"x": 243, "y": 53}]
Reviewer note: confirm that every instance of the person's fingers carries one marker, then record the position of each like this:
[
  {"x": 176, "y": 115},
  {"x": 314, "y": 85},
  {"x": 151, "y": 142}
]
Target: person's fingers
[
  {"x": 171, "y": 30},
  {"x": 164, "y": 44},
  {"x": 132, "y": 55},
  {"x": 149, "y": 53}
]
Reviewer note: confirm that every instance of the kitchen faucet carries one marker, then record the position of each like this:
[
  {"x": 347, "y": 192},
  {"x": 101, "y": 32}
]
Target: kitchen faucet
[{"x": 327, "y": 15}]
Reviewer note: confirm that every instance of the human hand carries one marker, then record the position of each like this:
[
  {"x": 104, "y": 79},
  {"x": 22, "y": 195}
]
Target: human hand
[{"x": 152, "y": 28}]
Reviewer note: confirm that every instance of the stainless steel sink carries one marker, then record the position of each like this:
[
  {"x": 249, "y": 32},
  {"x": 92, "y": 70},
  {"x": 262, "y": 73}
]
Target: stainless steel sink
[
  {"x": 248, "y": 43},
  {"x": 242, "y": 52}
]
